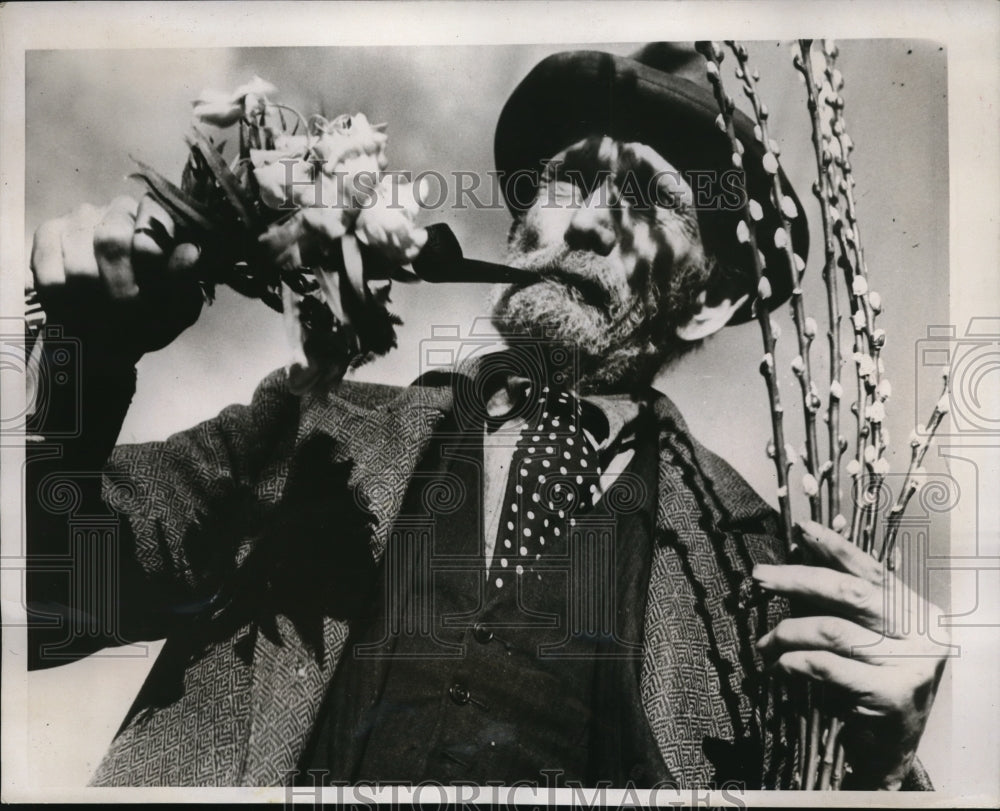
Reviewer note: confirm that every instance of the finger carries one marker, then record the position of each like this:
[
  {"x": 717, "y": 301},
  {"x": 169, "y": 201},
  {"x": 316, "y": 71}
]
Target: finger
[
  {"x": 79, "y": 261},
  {"x": 874, "y": 689},
  {"x": 47, "y": 256},
  {"x": 832, "y": 548},
  {"x": 834, "y": 634},
  {"x": 841, "y": 593},
  {"x": 113, "y": 249},
  {"x": 154, "y": 232}
]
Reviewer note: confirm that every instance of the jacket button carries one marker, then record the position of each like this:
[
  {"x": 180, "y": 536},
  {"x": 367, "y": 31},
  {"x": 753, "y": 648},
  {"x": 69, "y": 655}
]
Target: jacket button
[
  {"x": 482, "y": 633},
  {"x": 459, "y": 693}
]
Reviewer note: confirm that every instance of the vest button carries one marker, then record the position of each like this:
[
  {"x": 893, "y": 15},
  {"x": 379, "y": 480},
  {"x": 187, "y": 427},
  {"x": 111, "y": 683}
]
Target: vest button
[
  {"x": 482, "y": 633},
  {"x": 459, "y": 693}
]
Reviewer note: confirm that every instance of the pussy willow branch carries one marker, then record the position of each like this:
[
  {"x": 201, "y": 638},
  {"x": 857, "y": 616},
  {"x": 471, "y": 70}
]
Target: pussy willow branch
[
  {"x": 780, "y": 453},
  {"x": 914, "y": 476},
  {"x": 865, "y": 306},
  {"x": 804, "y": 327},
  {"x": 777, "y": 449},
  {"x": 826, "y": 194}
]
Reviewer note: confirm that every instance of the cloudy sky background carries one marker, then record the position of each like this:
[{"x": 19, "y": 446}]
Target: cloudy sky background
[{"x": 87, "y": 111}]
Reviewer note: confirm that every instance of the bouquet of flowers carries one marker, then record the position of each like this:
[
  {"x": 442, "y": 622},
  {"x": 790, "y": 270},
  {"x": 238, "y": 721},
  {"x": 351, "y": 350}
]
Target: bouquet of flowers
[{"x": 302, "y": 217}]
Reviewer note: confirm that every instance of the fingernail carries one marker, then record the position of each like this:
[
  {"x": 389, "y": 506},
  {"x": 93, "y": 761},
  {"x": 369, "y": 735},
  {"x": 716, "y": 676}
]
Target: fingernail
[
  {"x": 811, "y": 530},
  {"x": 761, "y": 571},
  {"x": 765, "y": 640}
]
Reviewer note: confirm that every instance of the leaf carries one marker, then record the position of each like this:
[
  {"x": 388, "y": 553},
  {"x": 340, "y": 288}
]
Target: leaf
[
  {"x": 172, "y": 198},
  {"x": 226, "y": 179}
]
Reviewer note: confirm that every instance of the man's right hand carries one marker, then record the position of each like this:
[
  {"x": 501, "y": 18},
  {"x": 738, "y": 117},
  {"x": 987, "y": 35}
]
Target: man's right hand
[{"x": 119, "y": 277}]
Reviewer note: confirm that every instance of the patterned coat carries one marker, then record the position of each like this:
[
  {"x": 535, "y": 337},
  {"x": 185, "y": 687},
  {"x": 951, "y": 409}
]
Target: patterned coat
[{"x": 237, "y": 688}]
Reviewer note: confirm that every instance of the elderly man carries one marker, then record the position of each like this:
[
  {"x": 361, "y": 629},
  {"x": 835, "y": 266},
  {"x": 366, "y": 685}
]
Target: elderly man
[{"x": 520, "y": 568}]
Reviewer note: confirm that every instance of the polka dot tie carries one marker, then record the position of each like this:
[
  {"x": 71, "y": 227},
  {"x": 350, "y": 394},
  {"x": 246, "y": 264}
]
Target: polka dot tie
[{"x": 554, "y": 474}]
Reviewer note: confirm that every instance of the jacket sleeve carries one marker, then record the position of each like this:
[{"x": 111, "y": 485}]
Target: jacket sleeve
[{"x": 122, "y": 553}]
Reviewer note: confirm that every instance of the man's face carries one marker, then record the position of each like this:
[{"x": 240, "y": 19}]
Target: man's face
[{"x": 618, "y": 254}]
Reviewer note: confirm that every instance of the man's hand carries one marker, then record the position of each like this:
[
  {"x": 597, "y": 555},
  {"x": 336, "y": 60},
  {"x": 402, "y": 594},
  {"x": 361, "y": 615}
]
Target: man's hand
[
  {"x": 117, "y": 277},
  {"x": 866, "y": 642}
]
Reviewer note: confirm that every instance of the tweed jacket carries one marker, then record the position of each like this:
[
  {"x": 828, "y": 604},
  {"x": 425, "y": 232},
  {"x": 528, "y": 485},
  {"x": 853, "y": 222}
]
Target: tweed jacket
[{"x": 214, "y": 518}]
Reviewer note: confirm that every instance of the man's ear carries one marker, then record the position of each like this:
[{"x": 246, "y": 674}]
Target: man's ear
[{"x": 709, "y": 320}]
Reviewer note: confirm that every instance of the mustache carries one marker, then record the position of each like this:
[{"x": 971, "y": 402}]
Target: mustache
[{"x": 580, "y": 271}]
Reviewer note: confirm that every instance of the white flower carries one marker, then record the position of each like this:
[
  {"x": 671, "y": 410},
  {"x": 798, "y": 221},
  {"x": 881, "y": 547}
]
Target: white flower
[
  {"x": 742, "y": 232},
  {"x": 869, "y": 454},
  {"x": 810, "y": 327},
  {"x": 859, "y": 286},
  {"x": 756, "y": 212},
  {"x": 770, "y": 163},
  {"x": 225, "y": 109},
  {"x": 780, "y": 238},
  {"x": 839, "y": 522},
  {"x": 764, "y": 288},
  {"x": 853, "y": 467},
  {"x": 388, "y": 224},
  {"x": 875, "y": 300},
  {"x": 884, "y": 389},
  {"x": 876, "y": 412},
  {"x": 798, "y": 366},
  {"x": 881, "y": 467},
  {"x": 944, "y": 404},
  {"x": 788, "y": 207}
]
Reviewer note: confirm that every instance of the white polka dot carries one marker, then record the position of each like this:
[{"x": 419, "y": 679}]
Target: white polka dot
[
  {"x": 506, "y": 543},
  {"x": 535, "y": 497},
  {"x": 546, "y": 463},
  {"x": 536, "y": 437},
  {"x": 572, "y": 522},
  {"x": 539, "y": 576},
  {"x": 593, "y": 488},
  {"x": 556, "y": 488},
  {"x": 519, "y": 569},
  {"x": 562, "y": 469},
  {"x": 538, "y": 556},
  {"x": 541, "y": 479},
  {"x": 518, "y": 489},
  {"x": 524, "y": 472},
  {"x": 541, "y": 541},
  {"x": 531, "y": 450},
  {"x": 569, "y": 441},
  {"x": 579, "y": 479},
  {"x": 513, "y": 508},
  {"x": 562, "y": 513},
  {"x": 503, "y": 562},
  {"x": 499, "y": 582},
  {"x": 567, "y": 455},
  {"x": 555, "y": 423},
  {"x": 546, "y": 521},
  {"x": 510, "y": 525},
  {"x": 557, "y": 531},
  {"x": 527, "y": 532},
  {"x": 530, "y": 514},
  {"x": 524, "y": 551},
  {"x": 549, "y": 449},
  {"x": 583, "y": 463},
  {"x": 552, "y": 435}
]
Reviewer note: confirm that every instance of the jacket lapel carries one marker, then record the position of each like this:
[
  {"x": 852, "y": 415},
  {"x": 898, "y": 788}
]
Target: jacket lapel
[
  {"x": 382, "y": 432},
  {"x": 700, "y": 673}
]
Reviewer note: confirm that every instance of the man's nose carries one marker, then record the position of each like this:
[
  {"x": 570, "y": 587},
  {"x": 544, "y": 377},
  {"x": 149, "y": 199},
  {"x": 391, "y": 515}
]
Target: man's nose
[{"x": 592, "y": 226}]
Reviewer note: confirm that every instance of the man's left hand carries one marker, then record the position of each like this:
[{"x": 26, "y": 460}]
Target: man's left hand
[{"x": 868, "y": 640}]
